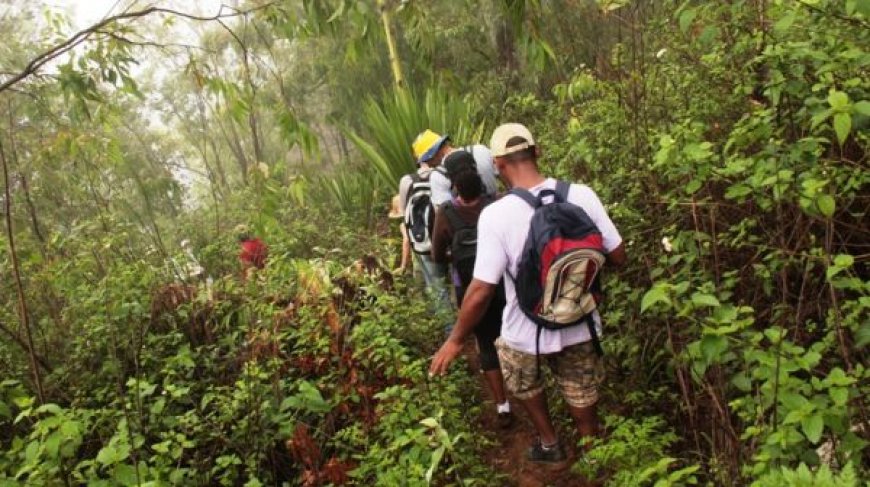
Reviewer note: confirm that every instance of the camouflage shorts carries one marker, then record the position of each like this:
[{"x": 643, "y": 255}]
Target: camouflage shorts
[{"x": 578, "y": 371}]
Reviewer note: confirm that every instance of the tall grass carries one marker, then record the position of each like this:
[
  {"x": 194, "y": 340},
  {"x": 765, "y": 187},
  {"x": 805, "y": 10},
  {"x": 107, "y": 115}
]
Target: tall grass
[
  {"x": 392, "y": 122},
  {"x": 354, "y": 192}
]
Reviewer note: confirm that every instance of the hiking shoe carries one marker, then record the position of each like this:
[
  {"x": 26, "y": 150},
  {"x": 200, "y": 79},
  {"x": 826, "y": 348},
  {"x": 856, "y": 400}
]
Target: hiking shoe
[
  {"x": 505, "y": 420},
  {"x": 538, "y": 454}
]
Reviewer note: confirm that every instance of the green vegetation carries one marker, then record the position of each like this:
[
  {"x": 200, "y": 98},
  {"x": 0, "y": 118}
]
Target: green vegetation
[{"x": 728, "y": 138}]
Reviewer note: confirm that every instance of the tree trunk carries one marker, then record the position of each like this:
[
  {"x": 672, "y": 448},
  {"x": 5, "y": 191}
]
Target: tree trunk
[
  {"x": 22, "y": 303},
  {"x": 395, "y": 65}
]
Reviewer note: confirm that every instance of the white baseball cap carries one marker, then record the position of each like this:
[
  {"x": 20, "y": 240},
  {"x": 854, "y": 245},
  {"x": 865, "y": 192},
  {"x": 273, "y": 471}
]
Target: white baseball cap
[{"x": 509, "y": 138}]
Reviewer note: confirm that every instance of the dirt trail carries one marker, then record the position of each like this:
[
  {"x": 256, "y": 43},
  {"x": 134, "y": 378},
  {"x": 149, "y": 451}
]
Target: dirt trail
[{"x": 508, "y": 455}]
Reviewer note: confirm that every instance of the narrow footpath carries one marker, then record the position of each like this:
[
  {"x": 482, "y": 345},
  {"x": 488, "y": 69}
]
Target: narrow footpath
[{"x": 508, "y": 455}]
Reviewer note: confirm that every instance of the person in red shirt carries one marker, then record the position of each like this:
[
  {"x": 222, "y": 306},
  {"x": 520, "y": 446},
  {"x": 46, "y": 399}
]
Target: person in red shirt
[{"x": 253, "y": 252}]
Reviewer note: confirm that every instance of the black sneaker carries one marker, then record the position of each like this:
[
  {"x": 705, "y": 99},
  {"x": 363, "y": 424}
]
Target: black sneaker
[
  {"x": 505, "y": 420},
  {"x": 538, "y": 454}
]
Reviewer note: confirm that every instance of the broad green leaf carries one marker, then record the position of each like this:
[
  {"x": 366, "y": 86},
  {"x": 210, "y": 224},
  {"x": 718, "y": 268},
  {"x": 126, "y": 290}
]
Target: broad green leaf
[
  {"x": 693, "y": 186},
  {"x": 785, "y": 22},
  {"x": 842, "y": 126},
  {"x": 702, "y": 299},
  {"x": 712, "y": 347},
  {"x": 655, "y": 295},
  {"x": 812, "y": 426},
  {"x": 826, "y": 205},
  {"x": 838, "y": 100},
  {"x": 840, "y": 395},
  {"x": 839, "y": 378},
  {"x": 844, "y": 260},
  {"x": 862, "y": 107},
  {"x": 737, "y": 191},
  {"x": 793, "y": 401},
  {"x": 113, "y": 453},
  {"x": 49, "y": 408},
  {"x": 125, "y": 474}
]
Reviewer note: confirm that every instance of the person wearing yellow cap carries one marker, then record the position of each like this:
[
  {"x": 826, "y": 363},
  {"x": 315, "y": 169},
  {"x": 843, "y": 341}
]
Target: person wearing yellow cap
[
  {"x": 417, "y": 192},
  {"x": 431, "y": 149}
]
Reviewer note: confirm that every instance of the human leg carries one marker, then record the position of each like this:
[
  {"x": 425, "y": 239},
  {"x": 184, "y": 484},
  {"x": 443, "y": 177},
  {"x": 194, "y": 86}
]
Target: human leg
[
  {"x": 586, "y": 420},
  {"x": 486, "y": 333},
  {"x": 579, "y": 371},
  {"x": 435, "y": 277},
  {"x": 521, "y": 379}
]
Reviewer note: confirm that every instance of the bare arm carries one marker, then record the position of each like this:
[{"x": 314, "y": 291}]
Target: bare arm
[
  {"x": 406, "y": 249},
  {"x": 439, "y": 237},
  {"x": 617, "y": 257},
  {"x": 474, "y": 305}
]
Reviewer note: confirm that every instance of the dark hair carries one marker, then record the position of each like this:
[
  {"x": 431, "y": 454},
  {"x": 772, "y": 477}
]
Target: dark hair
[
  {"x": 468, "y": 184},
  {"x": 527, "y": 154},
  {"x": 457, "y": 162}
]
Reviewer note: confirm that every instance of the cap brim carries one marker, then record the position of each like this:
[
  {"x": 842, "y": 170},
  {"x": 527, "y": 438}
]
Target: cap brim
[
  {"x": 429, "y": 154},
  {"x": 512, "y": 149}
]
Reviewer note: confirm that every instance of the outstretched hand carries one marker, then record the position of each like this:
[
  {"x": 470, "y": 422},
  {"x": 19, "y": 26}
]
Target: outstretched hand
[{"x": 442, "y": 358}]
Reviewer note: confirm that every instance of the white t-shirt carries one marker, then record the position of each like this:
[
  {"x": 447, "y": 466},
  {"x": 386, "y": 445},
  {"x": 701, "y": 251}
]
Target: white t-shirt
[
  {"x": 501, "y": 236},
  {"x": 441, "y": 185}
]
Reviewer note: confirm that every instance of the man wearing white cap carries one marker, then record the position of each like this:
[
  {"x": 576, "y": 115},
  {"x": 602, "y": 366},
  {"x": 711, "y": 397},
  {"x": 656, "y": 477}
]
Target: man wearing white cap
[{"x": 502, "y": 231}]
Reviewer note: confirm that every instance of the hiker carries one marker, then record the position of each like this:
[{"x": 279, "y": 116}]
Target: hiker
[
  {"x": 252, "y": 251},
  {"x": 396, "y": 213},
  {"x": 430, "y": 148},
  {"x": 456, "y": 230},
  {"x": 417, "y": 194},
  {"x": 525, "y": 346}
]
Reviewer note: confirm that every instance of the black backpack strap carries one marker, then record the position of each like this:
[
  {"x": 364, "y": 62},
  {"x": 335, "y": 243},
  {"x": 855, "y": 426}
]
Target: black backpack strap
[
  {"x": 526, "y": 196},
  {"x": 562, "y": 189},
  {"x": 593, "y": 335},
  {"x": 538, "y": 352}
]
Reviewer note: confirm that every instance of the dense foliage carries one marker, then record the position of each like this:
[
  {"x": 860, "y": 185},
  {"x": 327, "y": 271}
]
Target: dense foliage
[{"x": 728, "y": 140}]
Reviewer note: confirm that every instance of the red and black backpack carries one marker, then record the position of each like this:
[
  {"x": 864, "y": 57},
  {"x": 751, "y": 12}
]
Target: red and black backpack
[{"x": 557, "y": 283}]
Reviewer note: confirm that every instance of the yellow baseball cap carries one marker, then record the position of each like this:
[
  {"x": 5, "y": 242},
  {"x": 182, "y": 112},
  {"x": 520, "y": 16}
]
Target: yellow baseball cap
[{"x": 427, "y": 144}]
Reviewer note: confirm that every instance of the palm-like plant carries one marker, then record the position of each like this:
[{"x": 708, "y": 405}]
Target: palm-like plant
[{"x": 391, "y": 124}]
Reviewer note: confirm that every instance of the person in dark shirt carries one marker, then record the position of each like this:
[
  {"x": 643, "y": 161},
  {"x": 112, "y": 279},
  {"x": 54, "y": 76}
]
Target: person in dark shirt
[{"x": 460, "y": 215}]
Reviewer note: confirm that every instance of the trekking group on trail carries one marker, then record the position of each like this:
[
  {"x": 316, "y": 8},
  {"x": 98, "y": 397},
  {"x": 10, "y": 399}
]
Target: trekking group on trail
[{"x": 525, "y": 267}]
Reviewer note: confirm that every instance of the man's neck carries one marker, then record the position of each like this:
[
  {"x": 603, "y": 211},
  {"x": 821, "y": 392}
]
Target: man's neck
[{"x": 527, "y": 179}]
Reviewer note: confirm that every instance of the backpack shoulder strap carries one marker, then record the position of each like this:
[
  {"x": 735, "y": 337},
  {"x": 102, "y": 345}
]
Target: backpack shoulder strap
[
  {"x": 526, "y": 196},
  {"x": 562, "y": 189},
  {"x": 452, "y": 216}
]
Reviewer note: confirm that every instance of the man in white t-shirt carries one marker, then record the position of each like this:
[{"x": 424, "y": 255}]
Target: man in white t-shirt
[{"x": 501, "y": 235}]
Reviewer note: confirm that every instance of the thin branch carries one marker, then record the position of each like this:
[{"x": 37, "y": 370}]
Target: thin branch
[
  {"x": 81, "y": 36},
  {"x": 16, "y": 272}
]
